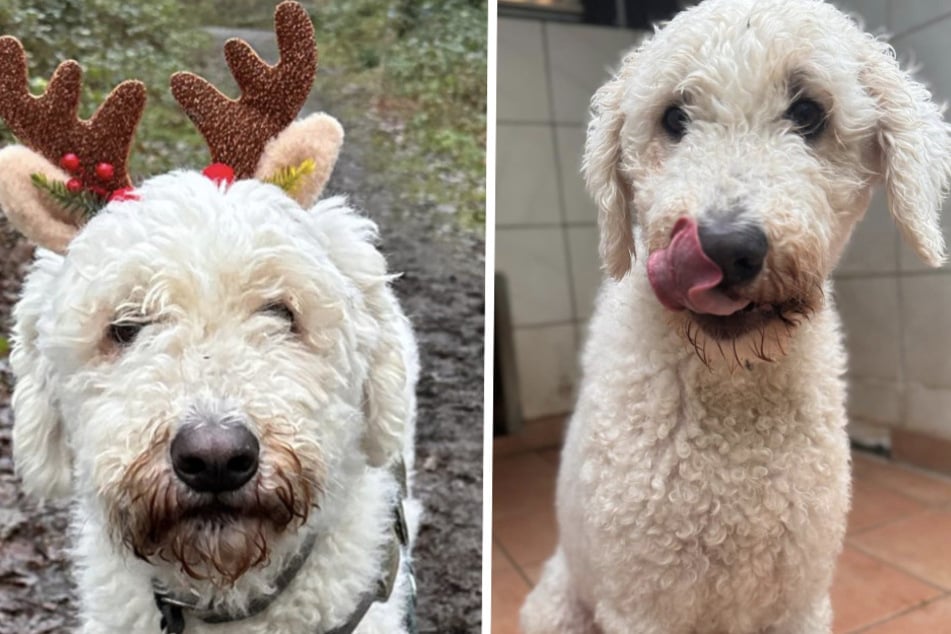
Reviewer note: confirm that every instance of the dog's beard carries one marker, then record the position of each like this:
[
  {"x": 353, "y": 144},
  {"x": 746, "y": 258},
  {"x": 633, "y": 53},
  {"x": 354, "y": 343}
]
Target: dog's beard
[
  {"x": 763, "y": 335},
  {"x": 215, "y": 538},
  {"x": 761, "y": 332}
]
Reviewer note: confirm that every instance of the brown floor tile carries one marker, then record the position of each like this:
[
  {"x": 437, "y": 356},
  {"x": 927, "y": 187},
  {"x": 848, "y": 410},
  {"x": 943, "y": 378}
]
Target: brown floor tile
[
  {"x": 934, "y": 618},
  {"x": 918, "y": 485},
  {"x": 874, "y": 505},
  {"x": 919, "y": 545},
  {"x": 867, "y": 591},
  {"x": 528, "y": 539},
  {"x": 508, "y": 594},
  {"x": 551, "y": 455},
  {"x": 522, "y": 484}
]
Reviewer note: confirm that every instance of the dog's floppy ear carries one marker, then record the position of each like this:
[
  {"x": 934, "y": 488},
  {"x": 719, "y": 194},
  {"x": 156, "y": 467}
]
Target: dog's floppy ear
[
  {"x": 389, "y": 397},
  {"x": 40, "y": 450},
  {"x": 915, "y": 147},
  {"x": 387, "y": 342},
  {"x": 602, "y": 171}
]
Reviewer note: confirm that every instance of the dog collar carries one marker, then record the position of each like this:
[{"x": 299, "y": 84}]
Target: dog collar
[{"x": 173, "y": 607}]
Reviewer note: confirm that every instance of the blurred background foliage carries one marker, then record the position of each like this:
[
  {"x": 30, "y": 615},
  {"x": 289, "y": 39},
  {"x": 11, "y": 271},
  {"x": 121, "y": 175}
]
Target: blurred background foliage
[
  {"x": 419, "y": 67},
  {"x": 408, "y": 75}
]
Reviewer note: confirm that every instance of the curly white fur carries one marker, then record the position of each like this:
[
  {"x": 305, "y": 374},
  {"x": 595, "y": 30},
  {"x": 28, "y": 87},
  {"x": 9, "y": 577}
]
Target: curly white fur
[
  {"x": 331, "y": 399},
  {"x": 704, "y": 483}
]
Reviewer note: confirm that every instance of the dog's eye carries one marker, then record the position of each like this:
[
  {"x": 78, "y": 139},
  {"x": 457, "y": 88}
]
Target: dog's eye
[
  {"x": 808, "y": 117},
  {"x": 281, "y": 310},
  {"x": 675, "y": 122},
  {"x": 125, "y": 332}
]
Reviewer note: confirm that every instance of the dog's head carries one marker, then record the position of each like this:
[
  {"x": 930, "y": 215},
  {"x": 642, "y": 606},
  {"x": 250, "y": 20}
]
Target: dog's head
[
  {"x": 744, "y": 138},
  {"x": 206, "y": 362}
]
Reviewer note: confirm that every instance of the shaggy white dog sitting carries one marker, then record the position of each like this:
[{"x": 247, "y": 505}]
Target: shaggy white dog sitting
[
  {"x": 704, "y": 483},
  {"x": 215, "y": 369}
]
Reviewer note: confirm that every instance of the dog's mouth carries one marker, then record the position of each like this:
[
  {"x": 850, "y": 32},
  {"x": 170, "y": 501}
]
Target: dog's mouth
[
  {"x": 754, "y": 317},
  {"x": 685, "y": 278},
  {"x": 216, "y": 513}
]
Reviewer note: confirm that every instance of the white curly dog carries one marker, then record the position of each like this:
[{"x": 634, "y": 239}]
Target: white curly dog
[
  {"x": 704, "y": 482},
  {"x": 212, "y": 372},
  {"x": 220, "y": 376}
]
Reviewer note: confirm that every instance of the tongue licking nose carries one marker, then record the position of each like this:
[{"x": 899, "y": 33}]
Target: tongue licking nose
[{"x": 683, "y": 276}]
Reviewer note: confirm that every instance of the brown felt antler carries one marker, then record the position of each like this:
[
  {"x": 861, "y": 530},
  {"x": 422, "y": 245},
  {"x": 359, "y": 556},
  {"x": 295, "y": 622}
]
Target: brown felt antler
[
  {"x": 237, "y": 131},
  {"x": 50, "y": 124}
]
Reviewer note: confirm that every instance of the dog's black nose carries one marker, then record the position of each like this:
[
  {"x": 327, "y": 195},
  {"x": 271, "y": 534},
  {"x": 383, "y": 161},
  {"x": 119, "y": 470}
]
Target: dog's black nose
[
  {"x": 738, "y": 248},
  {"x": 214, "y": 457}
]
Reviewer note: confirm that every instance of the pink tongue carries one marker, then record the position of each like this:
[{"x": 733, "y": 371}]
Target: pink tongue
[{"x": 682, "y": 275}]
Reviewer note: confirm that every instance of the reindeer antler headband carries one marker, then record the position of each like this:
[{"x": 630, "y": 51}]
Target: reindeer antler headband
[
  {"x": 50, "y": 123},
  {"x": 271, "y": 96},
  {"x": 71, "y": 161}
]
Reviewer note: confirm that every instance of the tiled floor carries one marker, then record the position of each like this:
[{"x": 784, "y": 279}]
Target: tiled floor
[{"x": 894, "y": 576}]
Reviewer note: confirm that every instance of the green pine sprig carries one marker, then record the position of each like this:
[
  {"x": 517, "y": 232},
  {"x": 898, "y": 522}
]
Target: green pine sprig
[
  {"x": 84, "y": 203},
  {"x": 289, "y": 178}
]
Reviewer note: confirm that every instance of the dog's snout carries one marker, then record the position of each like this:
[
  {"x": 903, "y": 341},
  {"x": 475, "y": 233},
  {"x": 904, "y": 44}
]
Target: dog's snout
[
  {"x": 738, "y": 248},
  {"x": 212, "y": 457}
]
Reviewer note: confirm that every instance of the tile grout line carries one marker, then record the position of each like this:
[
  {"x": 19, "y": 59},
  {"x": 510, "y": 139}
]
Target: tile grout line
[
  {"x": 545, "y": 324},
  {"x": 885, "y": 523},
  {"x": 919, "y": 27},
  {"x": 899, "y": 568},
  {"x": 527, "y": 226},
  {"x": 553, "y": 130},
  {"x": 910, "y": 469},
  {"x": 541, "y": 123},
  {"x": 898, "y": 615},
  {"x": 898, "y": 273},
  {"x": 511, "y": 560}
]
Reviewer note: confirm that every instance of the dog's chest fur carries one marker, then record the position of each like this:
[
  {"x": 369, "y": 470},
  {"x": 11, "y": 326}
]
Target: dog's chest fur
[{"x": 694, "y": 476}]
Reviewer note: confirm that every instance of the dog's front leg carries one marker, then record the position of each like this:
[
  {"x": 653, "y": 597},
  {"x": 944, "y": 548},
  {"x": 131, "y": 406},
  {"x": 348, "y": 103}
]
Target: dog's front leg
[
  {"x": 553, "y": 607},
  {"x": 815, "y": 618}
]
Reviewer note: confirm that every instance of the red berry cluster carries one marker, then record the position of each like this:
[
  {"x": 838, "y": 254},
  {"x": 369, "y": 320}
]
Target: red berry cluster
[{"x": 104, "y": 172}]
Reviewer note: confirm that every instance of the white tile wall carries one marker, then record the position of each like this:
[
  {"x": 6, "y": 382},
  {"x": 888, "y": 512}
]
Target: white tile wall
[
  {"x": 536, "y": 265},
  {"x": 872, "y": 13},
  {"x": 582, "y": 58},
  {"x": 522, "y": 78},
  {"x": 585, "y": 268},
  {"x": 547, "y": 360},
  {"x": 928, "y": 409},
  {"x": 873, "y": 247},
  {"x": 869, "y": 311},
  {"x": 876, "y": 402},
  {"x": 526, "y": 177},
  {"x": 926, "y": 315},
  {"x": 910, "y": 14},
  {"x": 579, "y": 208},
  {"x": 546, "y": 238}
]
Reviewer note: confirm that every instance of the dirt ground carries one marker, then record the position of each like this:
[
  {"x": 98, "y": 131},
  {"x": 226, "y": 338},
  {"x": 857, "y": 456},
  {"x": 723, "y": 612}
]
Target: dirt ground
[{"x": 442, "y": 292}]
